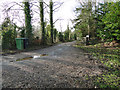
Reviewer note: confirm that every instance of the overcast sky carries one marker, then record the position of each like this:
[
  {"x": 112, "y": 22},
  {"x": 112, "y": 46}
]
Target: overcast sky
[{"x": 65, "y": 12}]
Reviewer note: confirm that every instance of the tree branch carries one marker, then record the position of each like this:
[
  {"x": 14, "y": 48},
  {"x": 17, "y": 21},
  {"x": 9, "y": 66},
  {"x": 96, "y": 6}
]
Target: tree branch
[
  {"x": 16, "y": 9},
  {"x": 36, "y": 5},
  {"x": 36, "y": 12},
  {"x": 46, "y": 4},
  {"x": 58, "y": 6},
  {"x": 56, "y": 21},
  {"x": 18, "y": 4}
]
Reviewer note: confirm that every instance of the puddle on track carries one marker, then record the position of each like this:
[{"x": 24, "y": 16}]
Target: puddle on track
[{"x": 27, "y": 58}]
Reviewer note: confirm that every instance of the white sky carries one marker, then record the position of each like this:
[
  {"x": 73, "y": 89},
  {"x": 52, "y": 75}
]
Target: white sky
[{"x": 65, "y": 12}]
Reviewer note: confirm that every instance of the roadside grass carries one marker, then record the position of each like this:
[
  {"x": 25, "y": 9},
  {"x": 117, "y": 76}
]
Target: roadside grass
[{"x": 110, "y": 57}]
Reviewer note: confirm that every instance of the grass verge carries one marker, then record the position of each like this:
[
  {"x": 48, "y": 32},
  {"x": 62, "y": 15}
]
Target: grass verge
[{"x": 110, "y": 57}]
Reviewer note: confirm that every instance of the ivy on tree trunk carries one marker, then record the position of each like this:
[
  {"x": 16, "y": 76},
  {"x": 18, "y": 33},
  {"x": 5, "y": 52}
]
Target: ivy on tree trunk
[
  {"x": 42, "y": 21},
  {"x": 51, "y": 20},
  {"x": 28, "y": 26}
]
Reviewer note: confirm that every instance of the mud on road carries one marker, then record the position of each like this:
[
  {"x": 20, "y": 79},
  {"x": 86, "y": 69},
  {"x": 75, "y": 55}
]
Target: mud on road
[{"x": 64, "y": 66}]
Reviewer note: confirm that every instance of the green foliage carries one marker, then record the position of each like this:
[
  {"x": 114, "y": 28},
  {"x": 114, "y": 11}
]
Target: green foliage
[
  {"x": 85, "y": 20},
  {"x": 109, "y": 21},
  {"x": 61, "y": 38},
  {"x": 71, "y": 37},
  {"x": 75, "y": 36},
  {"x": 102, "y": 22},
  {"x": 111, "y": 59},
  {"x": 55, "y": 34},
  {"x": 78, "y": 33},
  {"x": 48, "y": 34},
  {"x": 108, "y": 80},
  {"x": 8, "y": 34},
  {"x": 67, "y": 34}
]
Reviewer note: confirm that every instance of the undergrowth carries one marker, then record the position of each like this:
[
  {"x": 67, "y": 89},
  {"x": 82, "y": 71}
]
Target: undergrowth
[{"x": 110, "y": 57}]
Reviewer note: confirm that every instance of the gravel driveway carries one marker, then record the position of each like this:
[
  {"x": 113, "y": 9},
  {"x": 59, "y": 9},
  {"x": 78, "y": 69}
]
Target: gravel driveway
[{"x": 64, "y": 66}]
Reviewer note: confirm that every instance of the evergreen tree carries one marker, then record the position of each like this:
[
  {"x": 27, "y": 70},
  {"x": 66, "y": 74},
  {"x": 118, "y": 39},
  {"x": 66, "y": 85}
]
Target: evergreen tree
[
  {"x": 84, "y": 20},
  {"x": 8, "y": 34}
]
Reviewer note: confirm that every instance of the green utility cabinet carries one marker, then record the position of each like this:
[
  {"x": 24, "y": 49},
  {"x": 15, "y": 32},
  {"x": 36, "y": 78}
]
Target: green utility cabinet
[{"x": 21, "y": 43}]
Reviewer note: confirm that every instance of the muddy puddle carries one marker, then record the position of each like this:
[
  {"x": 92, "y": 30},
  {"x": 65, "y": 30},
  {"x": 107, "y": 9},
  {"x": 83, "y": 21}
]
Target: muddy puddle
[
  {"x": 32, "y": 57},
  {"x": 26, "y": 58}
]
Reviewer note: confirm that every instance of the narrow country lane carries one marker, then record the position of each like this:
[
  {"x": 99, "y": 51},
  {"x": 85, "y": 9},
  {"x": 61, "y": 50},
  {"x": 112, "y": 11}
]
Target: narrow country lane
[{"x": 64, "y": 66}]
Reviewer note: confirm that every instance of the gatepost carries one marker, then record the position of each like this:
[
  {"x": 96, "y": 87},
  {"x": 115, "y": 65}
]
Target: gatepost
[{"x": 87, "y": 39}]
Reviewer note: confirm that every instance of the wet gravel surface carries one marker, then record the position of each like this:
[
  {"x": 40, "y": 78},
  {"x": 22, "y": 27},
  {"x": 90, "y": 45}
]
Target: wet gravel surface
[{"x": 64, "y": 66}]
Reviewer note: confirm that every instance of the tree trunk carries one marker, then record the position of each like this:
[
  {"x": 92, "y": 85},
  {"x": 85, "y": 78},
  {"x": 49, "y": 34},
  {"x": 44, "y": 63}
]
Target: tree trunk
[
  {"x": 42, "y": 21},
  {"x": 51, "y": 20},
  {"x": 28, "y": 26}
]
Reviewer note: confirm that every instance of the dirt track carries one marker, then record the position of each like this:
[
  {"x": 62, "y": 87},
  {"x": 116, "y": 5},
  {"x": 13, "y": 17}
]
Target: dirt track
[{"x": 64, "y": 66}]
